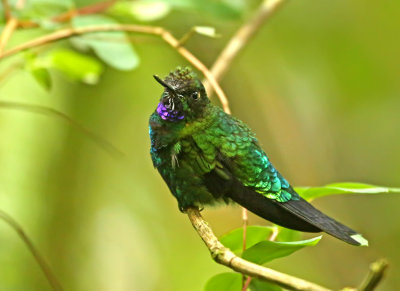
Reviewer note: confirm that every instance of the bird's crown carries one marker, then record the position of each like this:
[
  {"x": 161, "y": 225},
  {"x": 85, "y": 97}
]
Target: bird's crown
[{"x": 181, "y": 78}]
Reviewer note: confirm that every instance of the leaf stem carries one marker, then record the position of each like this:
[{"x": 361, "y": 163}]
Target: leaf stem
[
  {"x": 241, "y": 38},
  {"x": 247, "y": 283},
  {"x": 55, "y": 284},
  {"x": 245, "y": 219},
  {"x": 9, "y": 70},
  {"x": 183, "y": 40},
  {"x": 103, "y": 143},
  {"x": 375, "y": 275},
  {"x": 274, "y": 234}
]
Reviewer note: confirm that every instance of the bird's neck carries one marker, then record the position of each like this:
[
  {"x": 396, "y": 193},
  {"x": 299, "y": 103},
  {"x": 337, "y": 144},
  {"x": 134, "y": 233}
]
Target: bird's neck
[
  {"x": 169, "y": 132},
  {"x": 201, "y": 123}
]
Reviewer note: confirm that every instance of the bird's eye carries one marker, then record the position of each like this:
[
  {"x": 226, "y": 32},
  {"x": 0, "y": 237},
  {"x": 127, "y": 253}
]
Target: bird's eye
[{"x": 195, "y": 95}]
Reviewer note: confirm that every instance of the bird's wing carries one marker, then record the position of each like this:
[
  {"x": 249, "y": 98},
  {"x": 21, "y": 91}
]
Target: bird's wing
[
  {"x": 243, "y": 172},
  {"x": 232, "y": 144}
]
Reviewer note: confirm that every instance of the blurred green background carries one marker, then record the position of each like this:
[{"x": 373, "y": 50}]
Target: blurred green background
[{"x": 319, "y": 85}]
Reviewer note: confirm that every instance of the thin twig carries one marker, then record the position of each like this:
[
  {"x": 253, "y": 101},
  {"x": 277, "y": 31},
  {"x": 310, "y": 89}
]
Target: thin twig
[
  {"x": 103, "y": 143},
  {"x": 375, "y": 275},
  {"x": 9, "y": 28},
  {"x": 90, "y": 9},
  {"x": 274, "y": 234},
  {"x": 245, "y": 218},
  {"x": 241, "y": 38},
  {"x": 9, "y": 70},
  {"x": 67, "y": 16},
  {"x": 152, "y": 30},
  {"x": 272, "y": 237},
  {"x": 55, "y": 284},
  {"x": 11, "y": 24},
  {"x": 183, "y": 40},
  {"x": 224, "y": 256},
  {"x": 7, "y": 9},
  {"x": 247, "y": 283}
]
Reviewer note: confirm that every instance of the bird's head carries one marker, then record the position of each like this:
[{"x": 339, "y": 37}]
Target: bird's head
[{"x": 184, "y": 97}]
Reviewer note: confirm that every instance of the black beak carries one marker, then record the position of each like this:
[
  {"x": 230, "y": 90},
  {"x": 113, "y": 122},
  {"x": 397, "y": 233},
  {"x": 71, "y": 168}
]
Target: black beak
[{"x": 165, "y": 85}]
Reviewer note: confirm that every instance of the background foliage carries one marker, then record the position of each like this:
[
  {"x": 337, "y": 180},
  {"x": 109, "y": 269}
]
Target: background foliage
[{"x": 319, "y": 85}]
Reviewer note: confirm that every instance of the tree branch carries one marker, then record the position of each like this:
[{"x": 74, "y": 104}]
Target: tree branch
[
  {"x": 224, "y": 256},
  {"x": 376, "y": 272},
  {"x": 9, "y": 28},
  {"x": 11, "y": 24},
  {"x": 241, "y": 38},
  {"x": 152, "y": 30},
  {"x": 7, "y": 9}
]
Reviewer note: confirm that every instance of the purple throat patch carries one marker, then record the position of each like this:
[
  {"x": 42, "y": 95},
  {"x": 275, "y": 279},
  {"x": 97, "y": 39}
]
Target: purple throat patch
[{"x": 168, "y": 114}]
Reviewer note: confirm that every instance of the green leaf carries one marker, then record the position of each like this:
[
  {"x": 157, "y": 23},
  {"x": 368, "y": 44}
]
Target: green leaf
[
  {"x": 76, "y": 66},
  {"x": 310, "y": 193},
  {"x": 141, "y": 10},
  {"x": 41, "y": 11},
  {"x": 231, "y": 9},
  {"x": 206, "y": 30},
  {"x": 254, "y": 234},
  {"x": 266, "y": 251},
  {"x": 286, "y": 234},
  {"x": 38, "y": 70},
  {"x": 66, "y": 4},
  {"x": 42, "y": 76},
  {"x": 258, "y": 285},
  {"x": 224, "y": 282},
  {"x": 113, "y": 48}
]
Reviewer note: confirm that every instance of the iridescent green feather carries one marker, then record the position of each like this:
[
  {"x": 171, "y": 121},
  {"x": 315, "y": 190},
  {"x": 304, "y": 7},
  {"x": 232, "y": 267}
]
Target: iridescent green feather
[
  {"x": 233, "y": 139},
  {"x": 206, "y": 156}
]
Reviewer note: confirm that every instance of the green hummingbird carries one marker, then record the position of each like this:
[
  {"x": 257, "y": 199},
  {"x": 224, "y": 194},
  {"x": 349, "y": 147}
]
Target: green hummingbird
[{"x": 207, "y": 156}]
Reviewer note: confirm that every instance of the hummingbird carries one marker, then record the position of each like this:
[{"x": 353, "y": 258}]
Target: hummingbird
[{"x": 208, "y": 157}]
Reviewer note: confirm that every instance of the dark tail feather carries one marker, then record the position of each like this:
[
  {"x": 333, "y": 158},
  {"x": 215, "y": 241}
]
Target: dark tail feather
[
  {"x": 305, "y": 211},
  {"x": 294, "y": 214}
]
